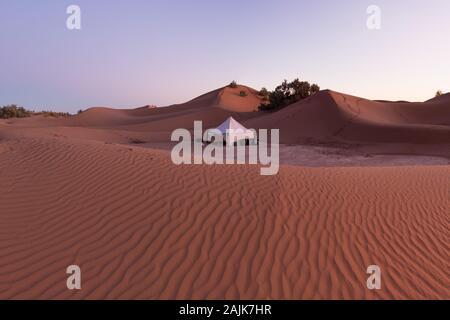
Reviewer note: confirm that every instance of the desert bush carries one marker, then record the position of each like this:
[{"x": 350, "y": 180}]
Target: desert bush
[
  {"x": 438, "y": 93},
  {"x": 314, "y": 89},
  {"x": 233, "y": 84},
  {"x": 242, "y": 93},
  {"x": 48, "y": 113},
  {"x": 13, "y": 111},
  {"x": 288, "y": 93},
  {"x": 264, "y": 93}
]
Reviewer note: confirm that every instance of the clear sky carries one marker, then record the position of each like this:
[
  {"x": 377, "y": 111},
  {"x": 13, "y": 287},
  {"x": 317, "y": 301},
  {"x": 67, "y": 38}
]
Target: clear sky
[{"x": 138, "y": 52}]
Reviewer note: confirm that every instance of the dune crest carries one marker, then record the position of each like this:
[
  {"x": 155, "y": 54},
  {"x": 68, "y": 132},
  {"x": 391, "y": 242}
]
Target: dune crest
[
  {"x": 330, "y": 116},
  {"x": 211, "y": 108},
  {"x": 239, "y": 99}
]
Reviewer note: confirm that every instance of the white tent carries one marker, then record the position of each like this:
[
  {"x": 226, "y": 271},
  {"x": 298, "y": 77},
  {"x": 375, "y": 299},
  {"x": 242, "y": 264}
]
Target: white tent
[{"x": 233, "y": 131}]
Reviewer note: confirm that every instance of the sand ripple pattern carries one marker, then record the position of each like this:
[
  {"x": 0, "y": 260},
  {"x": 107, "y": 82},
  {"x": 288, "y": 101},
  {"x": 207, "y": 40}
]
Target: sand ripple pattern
[{"x": 141, "y": 228}]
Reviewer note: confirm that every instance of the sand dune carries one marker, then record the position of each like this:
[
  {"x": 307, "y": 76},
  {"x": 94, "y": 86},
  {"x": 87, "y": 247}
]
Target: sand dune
[
  {"x": 331, "y": 116},
  {"x": 443, "y": 98},
  {"x": 140, "y": 227},
  {"x": 75, "y": 191},
  {"x": 145, "y": 124},
  {"x": 327, "y": 117},
  {"x": 211, "y": 108}
]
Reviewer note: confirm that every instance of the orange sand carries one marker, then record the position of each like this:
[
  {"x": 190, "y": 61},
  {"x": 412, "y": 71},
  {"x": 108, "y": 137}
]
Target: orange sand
[{"x": 73, "y": 191}]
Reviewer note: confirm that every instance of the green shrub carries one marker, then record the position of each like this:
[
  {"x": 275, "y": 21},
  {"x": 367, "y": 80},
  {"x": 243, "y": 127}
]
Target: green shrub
[
  {"x": 242, "y": 93},
  {"x": 287, "y": 93},
  {"x": 314, "y": 89},
  {"x": 264, "y": 93},
  {"x": 46, "y": 113},
  {"x": 233, "y": 84},
  {"x": 13, "y": 111}
]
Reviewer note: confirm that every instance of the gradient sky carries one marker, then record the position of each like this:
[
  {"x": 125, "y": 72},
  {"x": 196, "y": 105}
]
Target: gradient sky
[{"x": 133, "y": 53}]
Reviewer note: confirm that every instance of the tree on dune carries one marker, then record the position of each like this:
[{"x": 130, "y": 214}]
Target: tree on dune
[
  {"x": 264, "y": 93},
  {"x": 314, "y": 89},
  {"x": 233, "y": 84},
  {"x": 287, "y": 93}
]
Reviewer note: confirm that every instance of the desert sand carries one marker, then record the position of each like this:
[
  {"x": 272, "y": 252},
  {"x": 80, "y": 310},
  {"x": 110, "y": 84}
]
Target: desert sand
[{"x": 99, "y": 190}]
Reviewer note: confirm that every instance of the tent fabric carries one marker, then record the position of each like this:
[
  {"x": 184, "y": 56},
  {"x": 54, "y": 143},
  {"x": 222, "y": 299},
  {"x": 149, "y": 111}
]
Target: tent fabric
[{"x": 234, "y": 131}]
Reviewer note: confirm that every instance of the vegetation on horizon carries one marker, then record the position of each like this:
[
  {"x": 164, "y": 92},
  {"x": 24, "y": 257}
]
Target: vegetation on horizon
[
  {"x": 233, "y": 84},
  {"x": 438, "y": 93},
  {"x": 287, "y": 93},
  {"x": 14, "y": 111}
]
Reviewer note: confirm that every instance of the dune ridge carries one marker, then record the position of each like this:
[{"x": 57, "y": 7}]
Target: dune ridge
[
  {"x": 210, "y": 108},
  {"x": 330, "y": 116},
  {"x": 327, "y": 117}
]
